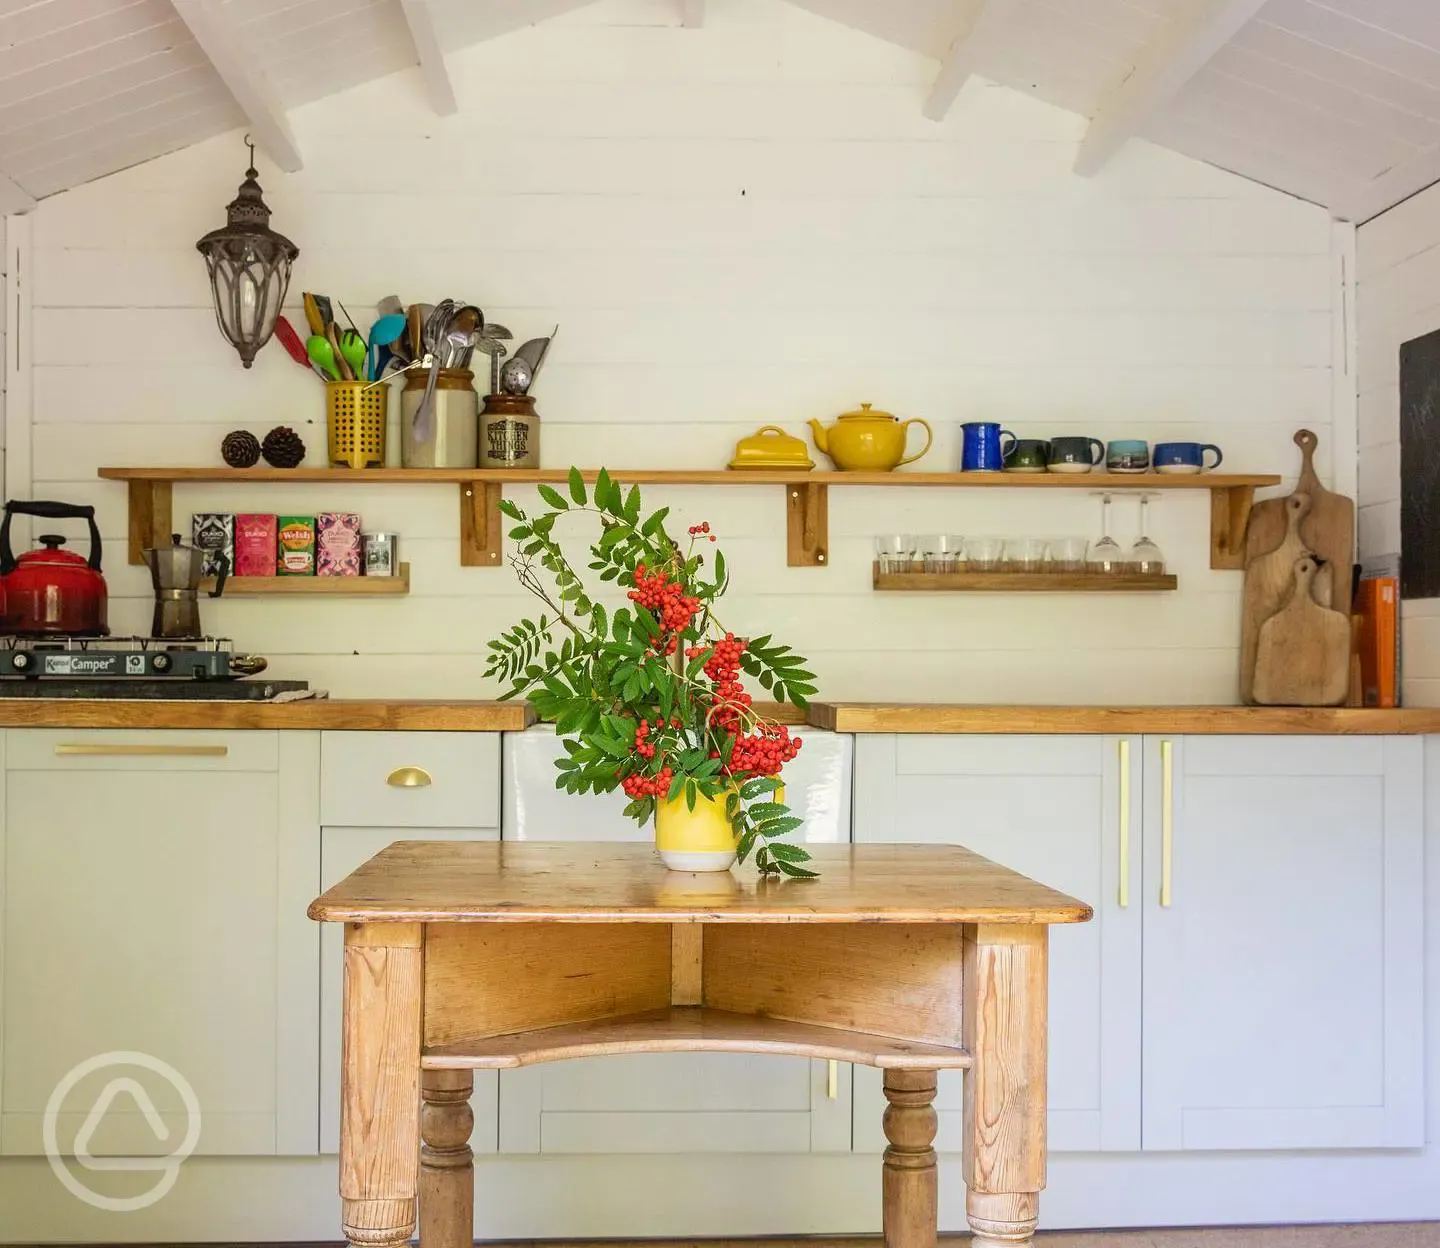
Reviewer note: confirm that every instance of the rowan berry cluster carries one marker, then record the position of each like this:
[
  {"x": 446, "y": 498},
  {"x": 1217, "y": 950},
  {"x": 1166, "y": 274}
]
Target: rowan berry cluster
[
  {"x": 656, "y": 786},
  {"x": 701, "y": 530},
  {"x": 764, "y": 752},
  {"x": 665, "y": 599}
]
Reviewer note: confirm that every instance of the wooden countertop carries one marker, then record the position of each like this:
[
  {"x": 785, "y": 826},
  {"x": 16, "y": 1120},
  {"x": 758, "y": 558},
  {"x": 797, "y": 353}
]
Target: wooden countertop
[
  {"x": 860, "y": 717},
  {"x": 332, "y": 713}
]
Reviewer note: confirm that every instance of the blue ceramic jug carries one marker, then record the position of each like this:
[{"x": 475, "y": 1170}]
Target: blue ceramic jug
[{"x": 984, "y": 448}]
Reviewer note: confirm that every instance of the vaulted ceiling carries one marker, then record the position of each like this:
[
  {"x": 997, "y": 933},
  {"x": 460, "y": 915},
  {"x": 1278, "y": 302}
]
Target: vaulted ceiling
[{"x": 1335, "y": 101}]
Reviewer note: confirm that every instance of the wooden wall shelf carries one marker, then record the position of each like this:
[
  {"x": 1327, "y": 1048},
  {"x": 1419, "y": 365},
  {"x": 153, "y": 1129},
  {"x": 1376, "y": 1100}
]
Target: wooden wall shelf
[
  {"x": 1020, "y": 582},
  {"x": 326, "y": 586},
  {"x": 806, "y": 497}
]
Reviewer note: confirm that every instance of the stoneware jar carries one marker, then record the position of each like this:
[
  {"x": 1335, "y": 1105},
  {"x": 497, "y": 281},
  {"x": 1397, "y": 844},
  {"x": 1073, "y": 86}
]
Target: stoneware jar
[
  {"x": 509, "y": 432},
  {"x": 454, "y": 423}
]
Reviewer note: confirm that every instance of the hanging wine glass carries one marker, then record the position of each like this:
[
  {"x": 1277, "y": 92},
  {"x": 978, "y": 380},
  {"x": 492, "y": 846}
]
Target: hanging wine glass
[
  {"x": 1105, "y": 556},
  {"x": 1145, "y": 555}
]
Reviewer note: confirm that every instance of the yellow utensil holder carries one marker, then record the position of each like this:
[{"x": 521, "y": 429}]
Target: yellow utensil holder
[{"x": 355, "y": 423}]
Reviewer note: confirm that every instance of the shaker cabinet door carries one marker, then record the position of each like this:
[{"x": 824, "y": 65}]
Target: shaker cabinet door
[
  {"x": 155, "y": 888},
  {"x": 670, "y": 1102},
  {"x": 1283, "y": 936},
  {"x": 1066, "y": 811}
]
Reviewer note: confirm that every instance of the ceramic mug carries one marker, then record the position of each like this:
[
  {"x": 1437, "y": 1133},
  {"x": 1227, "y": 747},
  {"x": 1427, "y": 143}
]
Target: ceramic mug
[
  {"x": 1185, "y": 457},
  {"x": 1075, "y": 454},
  {"x": 1127, "y": 455},
  {"x": 1028, "y": 455},
  {"x": 983, "y": 448}
]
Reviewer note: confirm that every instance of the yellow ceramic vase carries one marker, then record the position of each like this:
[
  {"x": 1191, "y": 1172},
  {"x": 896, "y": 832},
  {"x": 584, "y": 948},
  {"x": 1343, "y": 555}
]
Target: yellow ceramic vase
[{"x": 694, "y": 840}]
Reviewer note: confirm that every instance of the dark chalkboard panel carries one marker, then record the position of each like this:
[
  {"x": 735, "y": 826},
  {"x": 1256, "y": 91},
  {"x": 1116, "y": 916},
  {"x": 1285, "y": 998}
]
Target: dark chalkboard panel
[{"x": 1420, "y": 467}]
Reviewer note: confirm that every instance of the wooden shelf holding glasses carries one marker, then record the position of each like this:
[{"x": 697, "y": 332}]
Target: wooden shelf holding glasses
[
  {"x": 806, "y": 497},
  {"x": 1003, "y": 581}
]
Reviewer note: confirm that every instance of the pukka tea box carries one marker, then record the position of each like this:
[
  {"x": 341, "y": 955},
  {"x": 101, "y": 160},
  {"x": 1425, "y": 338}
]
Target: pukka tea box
[
  {"x": 214, "y": 533},
  {"x": 295, "y": 546},
  {"x": 255, "y": 545},
  {"x": 337, "y": 544}
]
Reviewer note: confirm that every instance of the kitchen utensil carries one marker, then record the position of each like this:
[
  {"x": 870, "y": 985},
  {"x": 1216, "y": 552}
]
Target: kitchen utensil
[
  {"x": 447, "y": 435},
  {"x": 322, "y": 354},
  {"x": 52, "y": 590},
  {"x": 1145, "y": 555},
  {"x": 355, "y": 423},
  {"x": 290, "y": 340},
  {"x": 342, "y": 365},
  {"x": 1105, "y": 557},
  {"x": 1328, "y": 530},
  {"x": 352, "y": 347},
  {"x": 390, "y": 305},
  {"x": 382, "y": 333},
  {"x": 415, "y": 330},
  {"x": 437, "y": 324},
  {"x": 515, "y": 377},
  {"x": 468, "y": 318},
  {"x": 349, "y": 320},
  {"x": 176, "y": 571},
  {"x": 1185, "y": 458},
  {"x": 1075, "y": 455},
  {"x": 1303, "y": 654},
  {"x": 534, "y": 351},
  {"x": 313, "y": 319},
  {"x": 327, "y": 315},
  {"x": 493, "y": 329},
  {"x": 983, "y": 447},
  {"x": 868, "y": 441},
  {"x": 496, "y": 350},
  {"x": 1268, "y": 579},
  {"x": 895, "y": 551},
  {"x": 771, "y": 447},
  {"x": 1127, "y": 455}
]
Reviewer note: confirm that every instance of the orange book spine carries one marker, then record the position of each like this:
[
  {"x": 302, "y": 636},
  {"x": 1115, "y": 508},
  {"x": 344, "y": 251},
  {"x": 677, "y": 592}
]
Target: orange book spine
[{"x": 1380, "y": 640}]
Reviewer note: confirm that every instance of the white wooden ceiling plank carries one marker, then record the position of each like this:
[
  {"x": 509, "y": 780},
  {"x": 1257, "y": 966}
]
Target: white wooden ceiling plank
[
  {"x": 962, "y": 57},
  {"x": 1377, "y": 195},
  {"x": 316, "y": 22},
  {"x": 692, "y": 14},
  {"x": 1325, "y": 96},
  {"x": 35, "y": 21},
  {"x": 1415, "y": 20},
  {"x": 104, "y": 84},
  {"x": 438, "y": 87},
  {"x": 329, "y": 41},
  {"x": 158, "y": 43},
  {"x": 301, "y": 77},
  {"x": 1178, "y": 54},
  {"x": 1309, "y": 57},
  {"x": 217, "y": 36},
  {"x": 64, "y": 45},
  {"x": 1356, "y": 38}
]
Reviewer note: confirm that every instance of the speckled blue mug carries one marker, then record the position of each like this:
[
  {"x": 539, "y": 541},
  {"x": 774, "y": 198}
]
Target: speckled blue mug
[{"x": 1181, "y": 458}]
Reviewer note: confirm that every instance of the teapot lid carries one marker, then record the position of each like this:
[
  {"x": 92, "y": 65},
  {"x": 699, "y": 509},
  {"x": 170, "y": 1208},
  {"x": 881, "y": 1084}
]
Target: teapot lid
[
  {"x": 50, "y": 553},
  {"x": 864, "y": 412}
]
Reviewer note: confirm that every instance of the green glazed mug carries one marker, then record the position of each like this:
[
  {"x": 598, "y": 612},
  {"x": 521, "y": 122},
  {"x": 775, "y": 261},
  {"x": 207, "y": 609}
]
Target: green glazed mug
[{"x": 1028, "y": 455}]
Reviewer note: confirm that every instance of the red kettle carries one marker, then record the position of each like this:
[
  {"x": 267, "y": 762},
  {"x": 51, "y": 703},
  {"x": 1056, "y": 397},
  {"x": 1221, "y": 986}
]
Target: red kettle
[{"x": 50, "y": 590}]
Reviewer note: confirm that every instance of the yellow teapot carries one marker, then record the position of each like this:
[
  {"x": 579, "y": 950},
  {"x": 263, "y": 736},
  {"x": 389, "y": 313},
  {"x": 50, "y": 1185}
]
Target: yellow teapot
[{"x": 868, "y": 441}]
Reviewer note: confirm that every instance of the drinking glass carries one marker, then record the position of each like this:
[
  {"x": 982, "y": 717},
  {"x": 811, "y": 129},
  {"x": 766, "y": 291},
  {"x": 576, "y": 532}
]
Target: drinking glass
[
  {"x": 940, "y": 551},
  {"x": 1105, "y": 557},
  {"x": 1145, "y": 556},
  {"x": 895, "y": 551},
  {"x": 982, "y": 554},
  {"x": 1025, "y": 554},
  {"x": 1067, "y": 554}
]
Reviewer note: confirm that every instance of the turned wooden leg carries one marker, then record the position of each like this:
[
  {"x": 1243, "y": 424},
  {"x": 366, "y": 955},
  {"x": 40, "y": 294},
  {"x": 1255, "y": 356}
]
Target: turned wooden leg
[
  {"x": 380, "y": 1083},
  {"x": 1004, "y": 1031},
  {"x": 447, "y": 1168},
  {"x": 909, "y": 1199}
]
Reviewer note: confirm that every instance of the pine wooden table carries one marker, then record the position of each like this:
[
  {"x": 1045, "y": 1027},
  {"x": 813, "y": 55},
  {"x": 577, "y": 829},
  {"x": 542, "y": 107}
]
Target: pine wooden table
[{"x": 465, "y": 956}]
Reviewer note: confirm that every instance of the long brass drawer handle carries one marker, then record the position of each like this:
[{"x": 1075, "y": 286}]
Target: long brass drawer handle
[
  {"x": 832, "y": 1080},
  {"x": 74, "y": 748},
  {"x": 1167, "y": 820},
  {"x": 408, "y": 778},
  {"x": 1124, "y": 824}
]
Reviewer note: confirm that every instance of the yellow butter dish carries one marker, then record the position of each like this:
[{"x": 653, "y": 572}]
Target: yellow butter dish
[{"x": 771, "y": 447}]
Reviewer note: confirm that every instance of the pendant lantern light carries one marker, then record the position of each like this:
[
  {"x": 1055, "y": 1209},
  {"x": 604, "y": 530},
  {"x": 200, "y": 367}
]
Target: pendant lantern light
[{"x": 249, "y": 267}]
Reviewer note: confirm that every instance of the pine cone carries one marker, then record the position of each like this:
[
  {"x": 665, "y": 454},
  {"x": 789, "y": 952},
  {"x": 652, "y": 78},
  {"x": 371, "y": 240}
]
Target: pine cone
[
  {"x": 240, "y": 449},
  {"x": 283, "y": 448}
]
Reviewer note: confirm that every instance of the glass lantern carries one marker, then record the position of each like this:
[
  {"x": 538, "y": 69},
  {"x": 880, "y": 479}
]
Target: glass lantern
[{"x": 249, "y": 266}]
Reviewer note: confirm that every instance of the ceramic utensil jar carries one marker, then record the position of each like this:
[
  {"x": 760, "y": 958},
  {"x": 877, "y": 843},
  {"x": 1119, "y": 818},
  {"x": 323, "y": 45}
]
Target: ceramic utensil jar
[
  {"x": 510, "y": 432},
  {"x": 453, "y": 427}
]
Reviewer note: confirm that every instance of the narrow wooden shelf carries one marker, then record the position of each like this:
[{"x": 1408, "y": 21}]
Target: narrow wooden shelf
[
  {"x": 806, "y": 496},
  {"x": 691, "y": 1029},
  {"x": 328, "y": 586},
  {"x": 1020, "y": 582}
]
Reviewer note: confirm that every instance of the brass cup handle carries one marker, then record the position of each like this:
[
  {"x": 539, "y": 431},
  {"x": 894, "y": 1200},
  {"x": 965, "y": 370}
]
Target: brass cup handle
[{"x": 408, "y": 778}]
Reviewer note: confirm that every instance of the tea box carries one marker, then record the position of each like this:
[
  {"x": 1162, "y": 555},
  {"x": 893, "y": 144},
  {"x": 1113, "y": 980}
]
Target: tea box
[
  {"x": 295, "y": 546},
  {"x": 337, "y": 549},
  {"x": 214, "y": 533},
  {"x": 255, "y": 545}
]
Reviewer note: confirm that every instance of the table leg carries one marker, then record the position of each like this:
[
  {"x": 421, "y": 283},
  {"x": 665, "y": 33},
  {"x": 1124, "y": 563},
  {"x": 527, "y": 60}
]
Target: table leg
[
  {"x": 380, "y": 1083},
  {"x": 1004, "y": 1030},
  {"x": 447, "y": 1168},
  {"x": 909, "y": 1199}
]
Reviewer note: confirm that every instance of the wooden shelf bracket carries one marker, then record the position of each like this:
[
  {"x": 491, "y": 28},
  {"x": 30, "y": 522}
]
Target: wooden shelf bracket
[
  {"x": 150, "y": 517},
  {"x": 480, "y": 521},
  {"x": 808, "y": 524},
  {"x": 1229, "y": 513}
]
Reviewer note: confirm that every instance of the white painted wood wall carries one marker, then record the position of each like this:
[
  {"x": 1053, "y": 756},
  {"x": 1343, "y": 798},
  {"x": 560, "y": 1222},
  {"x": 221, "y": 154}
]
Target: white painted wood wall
[
  {"x": 743, "y": 224},
  {"x": 1398, "y": 298}
]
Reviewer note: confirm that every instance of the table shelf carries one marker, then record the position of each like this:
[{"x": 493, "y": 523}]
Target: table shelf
[{"x": 806, "y": 496}]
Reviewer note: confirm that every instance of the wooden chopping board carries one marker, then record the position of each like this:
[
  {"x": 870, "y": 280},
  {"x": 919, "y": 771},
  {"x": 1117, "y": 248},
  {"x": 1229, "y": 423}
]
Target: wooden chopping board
[
  {"x": 1328, "y": 531},
  {"x": 1269, "y": 579},
  {"x": 1303, "y": 654}
]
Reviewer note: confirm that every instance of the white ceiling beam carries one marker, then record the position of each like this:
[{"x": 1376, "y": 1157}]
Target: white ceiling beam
[
  {"x": 215, "y": 31},
  {"x": 958, "y": 63},
  {"x": 421, "y": 20},
  {"x": 14, "y": 198},
  {"x": 1180, "y": 52},
  {"x": 692, "y": 14}
]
